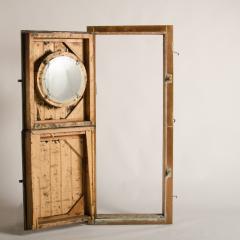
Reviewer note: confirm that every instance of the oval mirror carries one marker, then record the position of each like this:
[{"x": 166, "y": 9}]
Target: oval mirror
[{"x": 62, "y": 79}]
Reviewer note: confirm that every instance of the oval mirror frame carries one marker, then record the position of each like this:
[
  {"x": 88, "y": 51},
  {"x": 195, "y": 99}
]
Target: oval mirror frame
[{"x": 41, "y": 78}]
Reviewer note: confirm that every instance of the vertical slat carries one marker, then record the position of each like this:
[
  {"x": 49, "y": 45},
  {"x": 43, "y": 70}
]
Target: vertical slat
[
  {"x": 76, "y": 48},
  {"x": 169, "y": 124},
  {"x": 164, "y": 163},
  {"x": 29, "y": 81},
  {"x": 92, "y": 78},
  {"x": 92, "y": 55},
  {"x": 55, "y": 177},
  {"x": 49, "y": 113},
  {"x": 77, "y": 112},
  {"x": 39, "y": 104},
  {"x": 92, "y": 148},
  {"x": 94, "y": 173},
  {"x": 66, "y": 190},
  {"x": 48, "y": 46},
  {"x": 32, "y": 182},
  {"x": 45, "y": 180},
  {"x": 38, "y": 51},
  {"x": 90, "y": 171},
  {"x": 76, "y": 156}
]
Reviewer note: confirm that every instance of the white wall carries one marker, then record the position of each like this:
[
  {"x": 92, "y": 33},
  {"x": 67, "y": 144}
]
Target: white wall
[
  {"x": 129, "y": 116},
  {"x": 207, "y": 83}
]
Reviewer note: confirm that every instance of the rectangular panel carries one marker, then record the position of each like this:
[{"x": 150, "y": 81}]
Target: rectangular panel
[
  {"x": 58, "y": 145},
  {"x": 59, "y": 174},
  {"x": 129, "y": 124}
]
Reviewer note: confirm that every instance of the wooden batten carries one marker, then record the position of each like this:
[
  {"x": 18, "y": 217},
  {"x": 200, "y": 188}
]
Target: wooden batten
[{"x": 169, "y": 124}]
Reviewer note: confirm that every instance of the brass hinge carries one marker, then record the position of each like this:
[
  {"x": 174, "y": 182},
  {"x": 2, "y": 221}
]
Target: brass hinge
[{"x": 169, "y": 78}]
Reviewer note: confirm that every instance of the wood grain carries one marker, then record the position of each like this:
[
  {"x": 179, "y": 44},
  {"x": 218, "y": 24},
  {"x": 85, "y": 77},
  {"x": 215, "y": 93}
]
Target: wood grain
[
  {"x": 128, "y": 30},
  {"x": 54, "y": 138},
  {"x": 169, "y": 125}
]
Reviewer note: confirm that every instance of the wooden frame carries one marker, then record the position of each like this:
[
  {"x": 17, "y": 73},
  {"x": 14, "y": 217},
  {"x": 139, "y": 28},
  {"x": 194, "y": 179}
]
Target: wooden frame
[
  {"x": 80, "y": 120},
  {"x": 167, "y": 32}
]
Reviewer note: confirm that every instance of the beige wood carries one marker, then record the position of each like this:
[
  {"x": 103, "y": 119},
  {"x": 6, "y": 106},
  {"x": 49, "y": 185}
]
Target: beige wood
[
  {"x": 55, "y": 139},
  {"x": 90, "y": 172},
  {"x": 169, "y": 124},
  {"x": 32, "y": 182},
  {"x": 38, "y": 109}
]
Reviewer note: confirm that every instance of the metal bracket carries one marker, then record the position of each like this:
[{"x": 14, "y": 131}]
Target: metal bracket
[
  {"x": 169, "y": 78},
  {"x": 168, "y": 172},
  {"x": 177, "y": 53}
]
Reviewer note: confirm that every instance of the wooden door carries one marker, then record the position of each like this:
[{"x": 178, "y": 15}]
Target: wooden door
[{"x": 58, "y": 137}]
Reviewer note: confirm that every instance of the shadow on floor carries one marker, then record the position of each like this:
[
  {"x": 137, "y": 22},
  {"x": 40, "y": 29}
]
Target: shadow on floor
[
  {"x": 11, "y": 221},
  {"x": 11, "y": 218}
]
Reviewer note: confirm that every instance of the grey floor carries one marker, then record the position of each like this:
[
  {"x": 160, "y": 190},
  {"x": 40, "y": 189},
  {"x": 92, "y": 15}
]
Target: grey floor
[{"x": 191, "y": 222}]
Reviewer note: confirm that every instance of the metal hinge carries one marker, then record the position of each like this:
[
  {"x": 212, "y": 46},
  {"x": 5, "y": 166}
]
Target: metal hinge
[
  {"x": 169, "y": 78},
  {"x": 168, "y": 172}
]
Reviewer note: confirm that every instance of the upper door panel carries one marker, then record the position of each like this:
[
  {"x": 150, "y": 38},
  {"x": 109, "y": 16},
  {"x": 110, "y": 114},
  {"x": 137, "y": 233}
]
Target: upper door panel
[{"x": 41, "y": 48}]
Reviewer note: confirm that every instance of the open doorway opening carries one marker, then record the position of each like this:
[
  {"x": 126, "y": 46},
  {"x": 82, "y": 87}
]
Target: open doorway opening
[{"x": 129, "y": 132}]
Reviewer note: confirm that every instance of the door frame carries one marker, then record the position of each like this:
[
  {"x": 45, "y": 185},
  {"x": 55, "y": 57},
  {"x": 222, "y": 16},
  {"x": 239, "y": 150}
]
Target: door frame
[{"x": 166, "y": 217}]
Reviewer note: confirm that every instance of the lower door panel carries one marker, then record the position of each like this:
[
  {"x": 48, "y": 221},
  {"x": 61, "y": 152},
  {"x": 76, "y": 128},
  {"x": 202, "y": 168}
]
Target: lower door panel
[{"x": 60, "y": 188}]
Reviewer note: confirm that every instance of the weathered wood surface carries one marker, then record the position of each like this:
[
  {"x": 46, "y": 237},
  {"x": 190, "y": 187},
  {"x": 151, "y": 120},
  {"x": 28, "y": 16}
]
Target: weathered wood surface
[
  {"x": 60, "y": 177},
  {"x": 55, "y": 152},
  {"x": 129, "y": 219},
  {"x": 128, "y": 30},
  {"x": 168, "y": 107}
]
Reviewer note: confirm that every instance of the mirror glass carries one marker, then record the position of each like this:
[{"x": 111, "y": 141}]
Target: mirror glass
[{"x": 63, "y": 78}]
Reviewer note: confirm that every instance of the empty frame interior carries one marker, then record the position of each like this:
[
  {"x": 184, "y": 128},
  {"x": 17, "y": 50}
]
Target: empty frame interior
[{"x": 129, "y": 134}]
